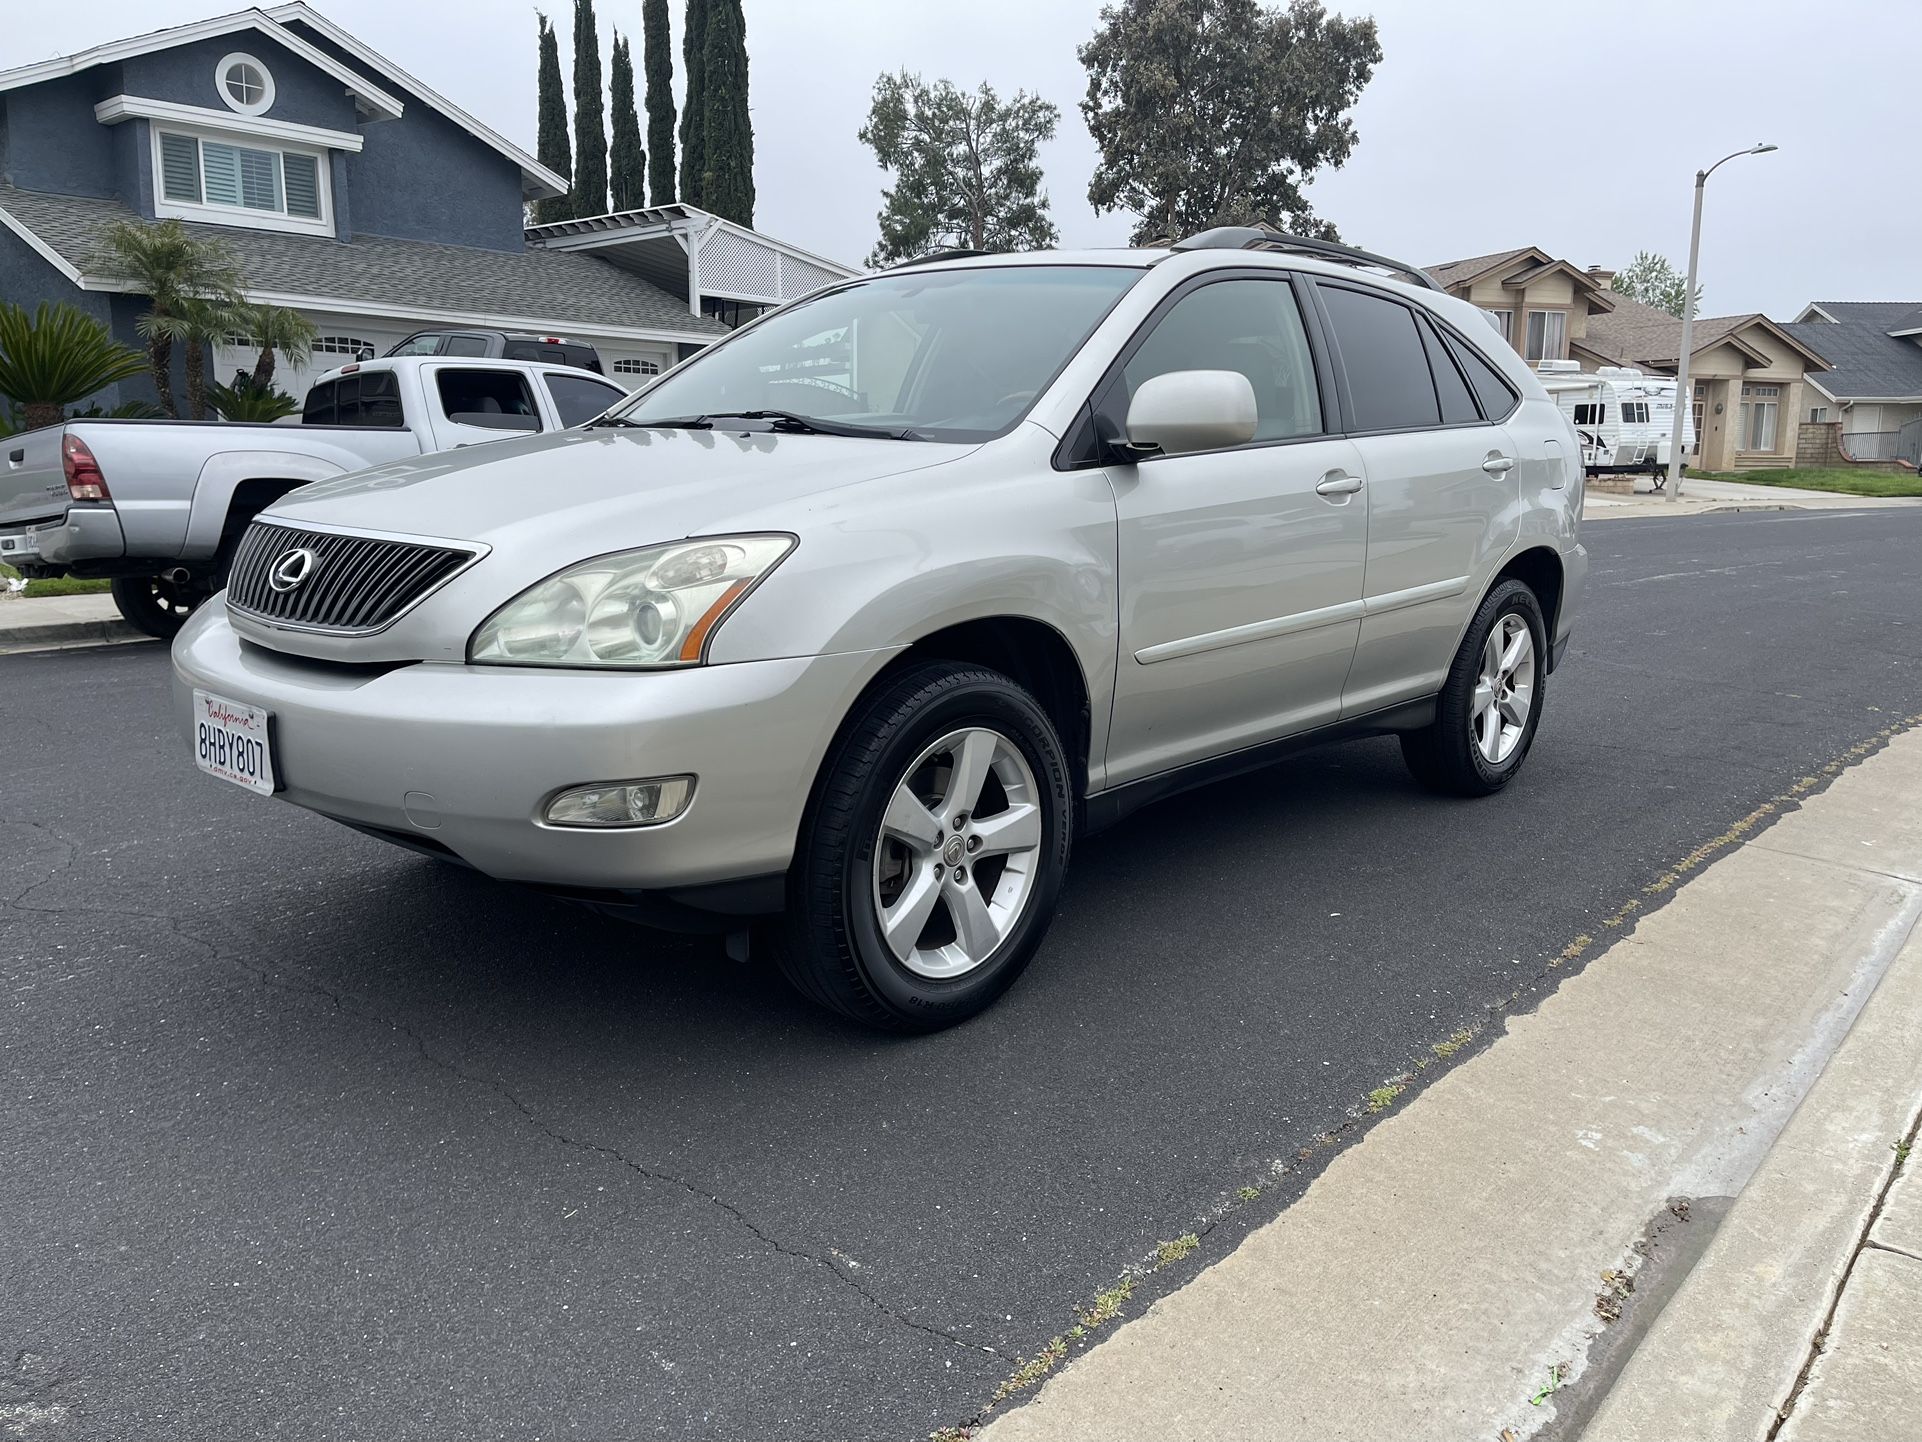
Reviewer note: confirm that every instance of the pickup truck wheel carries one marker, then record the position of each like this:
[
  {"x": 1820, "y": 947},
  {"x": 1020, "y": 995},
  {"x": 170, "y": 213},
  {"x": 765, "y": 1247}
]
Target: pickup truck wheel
[
  {"x": 1490, "y": 706},
  {"x": 933, "y": 851},
  {"x": 155, "y": 605}
]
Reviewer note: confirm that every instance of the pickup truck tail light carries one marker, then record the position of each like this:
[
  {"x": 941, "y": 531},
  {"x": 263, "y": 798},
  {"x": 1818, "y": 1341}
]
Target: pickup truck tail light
[{"x": 84, "y": 481}]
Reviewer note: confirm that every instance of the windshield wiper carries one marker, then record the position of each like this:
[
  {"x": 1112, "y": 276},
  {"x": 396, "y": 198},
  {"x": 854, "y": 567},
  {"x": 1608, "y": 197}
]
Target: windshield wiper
[
  {"x": 612, "y": 421},
  {"x": 789, "y": 421}
]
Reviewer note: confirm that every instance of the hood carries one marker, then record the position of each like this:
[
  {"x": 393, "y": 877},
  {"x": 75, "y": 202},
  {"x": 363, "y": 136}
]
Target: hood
[{"x": 580, "y": 492}]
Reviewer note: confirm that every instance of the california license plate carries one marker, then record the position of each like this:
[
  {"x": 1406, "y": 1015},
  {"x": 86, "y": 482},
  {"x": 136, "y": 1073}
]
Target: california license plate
[{"x": 233, "y": 741}]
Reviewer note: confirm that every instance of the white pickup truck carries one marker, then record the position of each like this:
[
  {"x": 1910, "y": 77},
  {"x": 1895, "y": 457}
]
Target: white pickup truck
[{"x": 158, "y": 506}]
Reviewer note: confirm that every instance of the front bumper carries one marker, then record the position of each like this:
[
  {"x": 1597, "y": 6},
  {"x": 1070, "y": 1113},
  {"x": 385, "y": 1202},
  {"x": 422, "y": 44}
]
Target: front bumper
[{"x": 461, "y": 759}]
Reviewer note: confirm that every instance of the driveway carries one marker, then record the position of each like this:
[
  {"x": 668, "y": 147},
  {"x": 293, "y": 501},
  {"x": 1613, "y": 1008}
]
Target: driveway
[{"x": 310, "y": 1137}]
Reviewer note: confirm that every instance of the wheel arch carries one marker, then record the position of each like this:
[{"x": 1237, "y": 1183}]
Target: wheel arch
[{"x": 1540, "y": 569}]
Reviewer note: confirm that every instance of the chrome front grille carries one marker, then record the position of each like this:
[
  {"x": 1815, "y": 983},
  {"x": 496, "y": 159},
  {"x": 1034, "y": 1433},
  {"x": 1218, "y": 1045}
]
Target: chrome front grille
[{"x": 352, "y": 585}]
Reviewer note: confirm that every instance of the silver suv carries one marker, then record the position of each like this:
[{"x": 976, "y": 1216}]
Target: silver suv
[{"x": 850, "y": 626}]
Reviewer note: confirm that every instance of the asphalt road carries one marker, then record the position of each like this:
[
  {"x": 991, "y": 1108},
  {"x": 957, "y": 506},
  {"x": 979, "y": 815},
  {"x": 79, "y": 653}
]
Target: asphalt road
[{"x": 305, "y": 1136}]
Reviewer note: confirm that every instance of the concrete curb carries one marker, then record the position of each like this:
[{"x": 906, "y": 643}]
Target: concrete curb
[{"x": 58, "y": 635}]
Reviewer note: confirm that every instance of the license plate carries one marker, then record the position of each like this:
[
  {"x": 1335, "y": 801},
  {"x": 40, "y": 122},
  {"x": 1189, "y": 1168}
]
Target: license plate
[{"x": 233, "y": 741}]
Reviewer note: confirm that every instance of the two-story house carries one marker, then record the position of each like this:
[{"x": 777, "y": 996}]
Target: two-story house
[
  {"x": 1748, "y": 374},
  {"x": 346, "y": 189}
]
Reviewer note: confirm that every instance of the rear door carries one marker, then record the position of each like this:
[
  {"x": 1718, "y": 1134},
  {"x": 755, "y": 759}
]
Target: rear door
[
  {"x": 1240, "y": 569},
  {"x": 471, "y": 404},
  {"x": 1443, "y": 492}
]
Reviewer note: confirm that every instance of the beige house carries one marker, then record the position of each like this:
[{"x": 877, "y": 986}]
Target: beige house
[{"x": 1748, "y": 374}]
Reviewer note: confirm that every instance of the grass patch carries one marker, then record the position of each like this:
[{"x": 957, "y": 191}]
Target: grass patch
[
  {"x": 1847, "y": 481},
  {"x": 1107, "y": 1306},
  {"x": 1445, "y": 1049},
  {"x": 66, "y": 586},
  {"x": 1034, "y": 1369},
  {"x": 1168, "y": 1253},
  {"x": 1382, "y": 1098},
  {"x": 1248, "y": 1194}
]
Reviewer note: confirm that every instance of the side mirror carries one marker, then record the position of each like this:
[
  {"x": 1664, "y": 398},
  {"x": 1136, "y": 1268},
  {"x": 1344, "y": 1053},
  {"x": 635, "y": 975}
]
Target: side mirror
[{"x": 1191, "y": 411}]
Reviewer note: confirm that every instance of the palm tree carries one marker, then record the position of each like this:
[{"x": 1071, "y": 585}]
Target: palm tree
[
  {"x": 58, "y": 356},
  {"x": 192, "y": 284},
  {"x": 276, "y": 330}
]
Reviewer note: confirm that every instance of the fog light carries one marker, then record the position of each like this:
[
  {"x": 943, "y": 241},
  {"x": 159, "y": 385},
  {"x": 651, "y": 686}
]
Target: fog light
[{"x": 622, "y": 803}]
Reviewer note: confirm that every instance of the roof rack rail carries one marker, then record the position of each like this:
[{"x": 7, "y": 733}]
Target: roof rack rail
[
  {"x": 935, "y": 257},
  {"x": 1259, "y": 237}
]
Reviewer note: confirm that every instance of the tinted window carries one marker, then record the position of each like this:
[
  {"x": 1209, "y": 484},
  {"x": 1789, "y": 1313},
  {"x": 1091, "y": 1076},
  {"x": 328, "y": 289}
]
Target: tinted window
[
  {"x": 1381, "y": 350},
  {"x": 472, "y": 397},
  {"x": 370, "y": 399},
  {"x": 319, "y": 410},
  {"x": 580, "y": 400},
  {"x": 1497, "y": 396},
  {"x": 1457, "y": 401},
  {"x": 417, "y": 345},
  {"x": 1250, "y": 326},
  {"x": 468, "y": 345},
  {"x": 1591, "y": 413}
]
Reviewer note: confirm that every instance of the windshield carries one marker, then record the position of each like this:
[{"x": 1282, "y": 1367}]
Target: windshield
[{"x": 949, "y": 355}]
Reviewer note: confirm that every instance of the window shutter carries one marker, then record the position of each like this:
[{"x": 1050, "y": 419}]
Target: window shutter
[
  {"x": 259, "y": 179},
  {"x": 303, "y": 185},
  {"x": 180, "y": 168},
  {"x": 222, "y": 166}
]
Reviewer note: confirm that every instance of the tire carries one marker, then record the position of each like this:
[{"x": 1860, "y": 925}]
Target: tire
[
  {"x": 156, "y": 606},
  {"x": 867, "y": 859},
  {"x": 1453, "y": 754}
]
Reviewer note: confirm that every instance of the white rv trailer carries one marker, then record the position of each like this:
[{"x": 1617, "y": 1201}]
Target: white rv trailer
[{"x": 1625, "y": 418}]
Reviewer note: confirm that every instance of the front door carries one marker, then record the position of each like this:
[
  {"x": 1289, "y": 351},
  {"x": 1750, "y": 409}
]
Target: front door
[{"x": 1240, "y": 569}]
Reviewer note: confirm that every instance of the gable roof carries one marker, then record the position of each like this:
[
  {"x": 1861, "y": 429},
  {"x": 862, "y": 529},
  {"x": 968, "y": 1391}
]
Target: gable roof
[
  {"x": 537, "y": 181},
  {"x": 415, "y": 281},
  {"x": 1638, "y": 334},
  {"x": 279, "y": 24},
  {"x": 1465, "y": 272},
  {"x": 369, "y": 98},
  {"x": 1870, "y": 357}
]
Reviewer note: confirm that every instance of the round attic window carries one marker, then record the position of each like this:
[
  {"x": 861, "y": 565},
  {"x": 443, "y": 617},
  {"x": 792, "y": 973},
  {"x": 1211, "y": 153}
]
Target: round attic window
[{"x": 245, "y": 84}]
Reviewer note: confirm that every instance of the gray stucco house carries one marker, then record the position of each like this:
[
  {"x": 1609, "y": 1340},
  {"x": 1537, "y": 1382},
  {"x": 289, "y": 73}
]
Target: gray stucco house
[
  {"x": 350, "y": 191},
  {"x": 1874, "y": 386}
]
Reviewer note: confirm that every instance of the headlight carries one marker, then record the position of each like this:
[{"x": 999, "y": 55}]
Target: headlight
[{"x": 652, "y": 607}]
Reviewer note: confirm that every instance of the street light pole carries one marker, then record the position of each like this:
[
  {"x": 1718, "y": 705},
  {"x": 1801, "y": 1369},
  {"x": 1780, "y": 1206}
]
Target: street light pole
[{"x": 1684, "y": 402}]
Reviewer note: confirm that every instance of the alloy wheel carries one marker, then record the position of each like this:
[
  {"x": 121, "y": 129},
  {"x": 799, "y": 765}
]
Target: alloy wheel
[
  {"x": 958, "y": 854},
  {"x": 1504, "y": 690}
]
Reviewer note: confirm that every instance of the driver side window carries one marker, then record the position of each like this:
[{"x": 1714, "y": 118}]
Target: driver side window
[{"x": 1249, "y": 326}]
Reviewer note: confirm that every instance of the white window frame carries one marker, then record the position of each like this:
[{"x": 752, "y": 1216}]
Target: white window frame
[
  {"x": 240, "y": 215},
  {"x": 1556, "y": 320},
  {"x": 258, "y": 107},
  {"x": 637, "y": 366},
  {"x": 1818, "y": 414},
  {"x": 1507, "y": 319}
]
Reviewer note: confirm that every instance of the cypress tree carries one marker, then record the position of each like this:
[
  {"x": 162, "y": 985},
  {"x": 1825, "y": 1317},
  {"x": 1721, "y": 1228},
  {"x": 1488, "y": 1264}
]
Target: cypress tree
[
  {"x": 694, "y": 113},
  {"x": 727, "y": 186},
  {"x": 551, "y": 147},
  {"x": 657, "y": 57},
  {"x": 590, "y": 134},
  {"x": 626, "y": 161}
]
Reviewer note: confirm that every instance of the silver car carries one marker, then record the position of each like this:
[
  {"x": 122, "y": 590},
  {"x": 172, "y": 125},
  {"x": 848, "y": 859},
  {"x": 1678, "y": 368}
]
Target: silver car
[{"x": 846, "y": 629}]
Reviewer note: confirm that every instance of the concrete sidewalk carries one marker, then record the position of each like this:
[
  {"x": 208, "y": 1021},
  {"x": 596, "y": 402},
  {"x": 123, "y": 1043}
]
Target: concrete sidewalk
[
  {"x": 1496, "y": 1258},
  {"x": 1701, "y": 496},
  {"x": 47, "y": 622}
]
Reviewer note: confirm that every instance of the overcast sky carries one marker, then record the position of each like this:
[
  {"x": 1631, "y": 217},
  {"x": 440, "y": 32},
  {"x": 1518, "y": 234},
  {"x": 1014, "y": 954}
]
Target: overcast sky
[{"x": 1487, "y": 125}]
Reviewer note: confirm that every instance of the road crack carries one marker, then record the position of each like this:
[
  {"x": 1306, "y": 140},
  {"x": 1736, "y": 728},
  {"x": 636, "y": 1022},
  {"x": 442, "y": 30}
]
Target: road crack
[{"x": 350, "y": 1006}]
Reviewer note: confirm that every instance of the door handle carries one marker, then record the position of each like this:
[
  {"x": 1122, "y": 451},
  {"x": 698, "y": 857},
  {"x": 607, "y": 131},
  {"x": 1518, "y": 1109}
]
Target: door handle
[
  {"x": 1498, "y": 465},
  {"x": 1339, "y": 485}
]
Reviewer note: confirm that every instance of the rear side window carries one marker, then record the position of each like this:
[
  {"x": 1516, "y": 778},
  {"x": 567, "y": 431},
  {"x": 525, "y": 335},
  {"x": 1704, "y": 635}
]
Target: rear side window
[
  {"x": 417, "y": 345},
  {"x": 467, "y": 345},
  {"x": 1457, "y": 401},
  {"x": 485, "y": 398},
  {"x": 579, "y": 400},
  {"x": 1389, "y": 382},
  {"x": 1249, "y": 326},
  {"x": 1498, "y": 398}
]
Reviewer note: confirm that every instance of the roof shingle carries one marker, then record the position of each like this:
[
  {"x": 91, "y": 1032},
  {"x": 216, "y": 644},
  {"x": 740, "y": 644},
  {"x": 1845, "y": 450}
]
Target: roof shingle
[
  {"x": 539, "y": 286},
  {"x": 1866, "y": 361}
]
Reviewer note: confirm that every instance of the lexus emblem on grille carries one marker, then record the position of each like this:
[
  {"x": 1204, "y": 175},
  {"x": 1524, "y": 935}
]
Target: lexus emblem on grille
[{"x": 292, "y": 569}]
